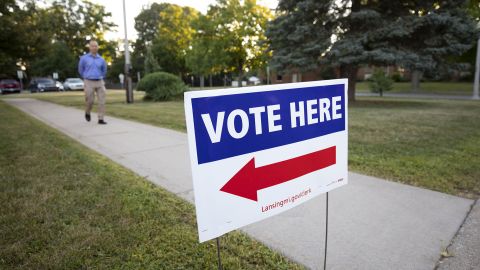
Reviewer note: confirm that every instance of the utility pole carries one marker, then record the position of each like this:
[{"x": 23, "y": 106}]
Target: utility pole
[
  {"x": 128, "y": 81},
  {"x": 477, "y": 72}
]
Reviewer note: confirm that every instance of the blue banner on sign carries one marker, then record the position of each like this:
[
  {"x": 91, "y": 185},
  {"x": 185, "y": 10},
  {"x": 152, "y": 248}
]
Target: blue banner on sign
[{"x": 232, "y": 125}]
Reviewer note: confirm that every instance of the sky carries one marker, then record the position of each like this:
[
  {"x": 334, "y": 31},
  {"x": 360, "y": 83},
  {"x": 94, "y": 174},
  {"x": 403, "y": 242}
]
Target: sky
[{"x": 133, "y": 8}]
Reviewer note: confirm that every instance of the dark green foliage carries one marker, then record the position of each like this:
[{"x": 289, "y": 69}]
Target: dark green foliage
[
  {"x": 165, "y": 29},
  {"x": 473, "y": 8},
  {"x": 147, "y": 23},
  {"x": 327, "y": 73},
  {"x": 24, "y": 36},
  {"x": 228, "y": 39},
  {"x": 204, "y": 57},
  {"x": 160, "y": 86},
  {"x": 30, "y": 33},
  {"x": 418, "y": 35},
  {"x": 397, "y": 77},
  {"x": 59, "y": 58},
  {"x": 151, "y": 63},
  {"x": 241, "y": 26},
  {"x": 380, "y": 82}
]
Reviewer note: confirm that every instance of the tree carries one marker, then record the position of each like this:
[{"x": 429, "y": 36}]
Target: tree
[
  {"x": 346, "y": 34},
  {"x": 473, "y": 8},
  {"x": 147, "y": 23},
  {"x": 75, "y": 22},
  {"x": 242, "y": 28},
  {"x": 29, "y": 31},
  {"x": 151, "y": 64},
  {"x": 166, "y": 28},
  {"x": 469, "y": 57},
  {"x": 309, "y": 33},
  {"x": 380, "y": 82},
  {"x": 9, "y": 40},
  {"x": 116, "y": 67},
  {"x": 204, "y": 56},
  {"x": 174, "y": 37},
  {"x": 438, "y": 33},
  {"x": 25, "y": 35},
  {"x": 59, "y": 58}
]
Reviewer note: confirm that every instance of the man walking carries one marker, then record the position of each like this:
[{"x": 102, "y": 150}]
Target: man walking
[{"x": 93, "y": 68}]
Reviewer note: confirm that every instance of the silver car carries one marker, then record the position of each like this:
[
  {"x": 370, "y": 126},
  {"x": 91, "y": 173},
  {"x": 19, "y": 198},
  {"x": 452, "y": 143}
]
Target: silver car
[{"x": 73, "y": 84}]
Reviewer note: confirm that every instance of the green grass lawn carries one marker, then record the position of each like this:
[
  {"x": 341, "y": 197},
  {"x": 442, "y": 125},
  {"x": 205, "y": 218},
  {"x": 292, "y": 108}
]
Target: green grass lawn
[
  {"x": 428, "y": 143},
  {"x": 66, "y": 207},
  {"x": 441, "y": 88}
]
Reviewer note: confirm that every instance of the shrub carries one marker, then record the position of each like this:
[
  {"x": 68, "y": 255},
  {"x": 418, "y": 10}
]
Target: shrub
[
  {"x": 379, "y": 82},
  {"x": 397, "y": 77},
  {"x": 160, "y": 86}
]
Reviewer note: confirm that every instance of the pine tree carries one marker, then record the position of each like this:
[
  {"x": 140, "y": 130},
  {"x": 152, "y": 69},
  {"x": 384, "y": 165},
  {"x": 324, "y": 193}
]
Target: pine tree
[
  {"x": 434, "y": 34},
  {"x": 347, "y": 34}
]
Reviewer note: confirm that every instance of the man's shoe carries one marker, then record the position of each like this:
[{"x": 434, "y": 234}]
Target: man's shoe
[
  {"x": 87, "y": 117},
  {"x": 101, "y": 122}
]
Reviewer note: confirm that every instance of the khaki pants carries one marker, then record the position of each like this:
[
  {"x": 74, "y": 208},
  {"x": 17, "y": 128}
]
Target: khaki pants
[{"x": 90, "y": 88}]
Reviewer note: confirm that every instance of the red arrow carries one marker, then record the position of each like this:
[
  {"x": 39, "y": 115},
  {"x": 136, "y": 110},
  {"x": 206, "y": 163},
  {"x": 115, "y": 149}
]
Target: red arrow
[{"x": 248, "y": 180}]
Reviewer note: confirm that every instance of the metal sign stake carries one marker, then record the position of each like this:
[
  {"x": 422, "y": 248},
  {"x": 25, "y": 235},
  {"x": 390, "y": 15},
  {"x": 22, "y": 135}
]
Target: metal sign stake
[
  {"x": 326, "y": 236},
  {"x": 220, "y": 267}
]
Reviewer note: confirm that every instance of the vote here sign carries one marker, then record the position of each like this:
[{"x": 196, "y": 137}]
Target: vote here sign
[{"x": 258, "y": 151}]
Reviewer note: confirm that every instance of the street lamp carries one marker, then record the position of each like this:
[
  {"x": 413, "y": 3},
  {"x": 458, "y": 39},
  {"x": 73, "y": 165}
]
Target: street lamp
[{"x": 128, "y": 82}]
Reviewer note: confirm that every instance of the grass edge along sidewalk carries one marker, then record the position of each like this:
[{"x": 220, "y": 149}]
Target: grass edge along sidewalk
[{"x": 67, "y": 207}]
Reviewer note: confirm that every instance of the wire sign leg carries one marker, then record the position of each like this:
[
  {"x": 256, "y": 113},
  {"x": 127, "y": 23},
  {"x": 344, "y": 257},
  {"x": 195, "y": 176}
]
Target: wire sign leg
[
  {"x": 326, "y": 237},
  {"x": 220, "y": 267}
]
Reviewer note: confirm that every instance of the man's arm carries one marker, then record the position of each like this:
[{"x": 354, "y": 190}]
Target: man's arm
[
  {"x": 104, "y": 69},
  {"x": 81, "y": 66}
]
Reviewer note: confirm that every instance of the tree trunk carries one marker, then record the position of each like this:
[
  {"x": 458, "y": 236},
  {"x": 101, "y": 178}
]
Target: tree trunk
[
  {"x": 225, "y": 80},
  {"x": 202, "y": 81},
  {"x": 416, "y": 76},
  {"x": 350, "y": 72},
  {"x": 240, "y": 75},
  {"x": 210, "y": 80}
]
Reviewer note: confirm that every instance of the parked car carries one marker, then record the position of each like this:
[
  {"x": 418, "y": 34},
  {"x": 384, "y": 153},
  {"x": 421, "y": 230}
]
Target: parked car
[
  {"x": 9, "y": 86},
  {"x": 60, "y": 86},
  {"x": 42, "y": 85},
  {"x": 73, "y": 84}
]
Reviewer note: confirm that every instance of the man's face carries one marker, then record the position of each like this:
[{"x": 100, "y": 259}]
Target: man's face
[{"x": 93, "y": 45}]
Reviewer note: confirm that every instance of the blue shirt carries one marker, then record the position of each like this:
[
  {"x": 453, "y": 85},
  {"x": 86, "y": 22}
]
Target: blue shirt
[{"x": 92, "y": 67}]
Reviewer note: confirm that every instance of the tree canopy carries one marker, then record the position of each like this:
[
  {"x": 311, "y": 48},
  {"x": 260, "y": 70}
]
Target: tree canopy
[
  {"x": 347, "y": 34},
  {"x": 229, "y": 38},
  {"x": 203, "y": 57},
  {"x": 167, "y": 30},
  {"x": 25, "y": 34},
  {"x": 242, "y": 28},
  {"x": 32, "y": 33}
]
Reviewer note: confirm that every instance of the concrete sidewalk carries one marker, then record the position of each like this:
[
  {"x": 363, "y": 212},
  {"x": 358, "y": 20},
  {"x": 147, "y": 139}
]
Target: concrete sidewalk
[
  {"x": 374, "y": 224},
  {"x": 464, "y": 252}
]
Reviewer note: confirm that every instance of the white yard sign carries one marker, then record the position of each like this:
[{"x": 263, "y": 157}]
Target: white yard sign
[{"x": 258, "y": 151}]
